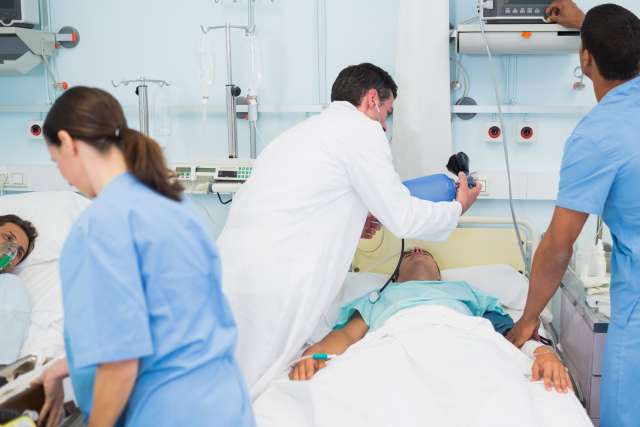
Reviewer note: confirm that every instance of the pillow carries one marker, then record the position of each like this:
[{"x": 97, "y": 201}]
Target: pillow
[
  {"x": 501, "y": 281},
  {"x": 52, "y": 213}
]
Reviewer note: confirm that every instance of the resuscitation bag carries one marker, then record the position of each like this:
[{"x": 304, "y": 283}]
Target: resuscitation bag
[
  {"x": 439, "y": 187},
  {"x": 435, "y": 188}
]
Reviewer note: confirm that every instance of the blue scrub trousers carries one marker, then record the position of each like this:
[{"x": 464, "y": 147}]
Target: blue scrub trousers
[{"x": 620, "y": 391}]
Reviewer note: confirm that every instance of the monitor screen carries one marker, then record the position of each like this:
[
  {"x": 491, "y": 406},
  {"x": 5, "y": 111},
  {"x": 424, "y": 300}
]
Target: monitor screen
[
  {"x": 8, "y": 4},
  {"x": 541, "y": 3}
]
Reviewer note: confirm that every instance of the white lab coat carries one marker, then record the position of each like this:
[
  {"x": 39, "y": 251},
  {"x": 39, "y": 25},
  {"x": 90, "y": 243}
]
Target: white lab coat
[{"x": 294, "y": 227}]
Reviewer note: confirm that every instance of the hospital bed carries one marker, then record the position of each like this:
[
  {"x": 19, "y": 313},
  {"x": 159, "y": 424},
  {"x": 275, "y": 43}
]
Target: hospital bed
[
  {"x": 376, "y": 381},
  {"x": 52, "y": 213}
]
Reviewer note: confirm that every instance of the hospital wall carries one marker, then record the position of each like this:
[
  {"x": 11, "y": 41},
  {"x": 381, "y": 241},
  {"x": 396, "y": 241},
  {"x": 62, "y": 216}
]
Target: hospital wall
[{"x": 127, "y": 39}]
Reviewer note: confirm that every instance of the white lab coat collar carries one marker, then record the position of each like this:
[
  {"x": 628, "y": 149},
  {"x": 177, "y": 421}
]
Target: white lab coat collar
[
  {"x": 342, "y": 105},
  {"x": 347, "y": 106}
]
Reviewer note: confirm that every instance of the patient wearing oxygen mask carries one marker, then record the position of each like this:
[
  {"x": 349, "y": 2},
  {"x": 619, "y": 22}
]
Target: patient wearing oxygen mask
[
  {"x": 418, "y": 282},
  {"x": 17, "y": 239}
]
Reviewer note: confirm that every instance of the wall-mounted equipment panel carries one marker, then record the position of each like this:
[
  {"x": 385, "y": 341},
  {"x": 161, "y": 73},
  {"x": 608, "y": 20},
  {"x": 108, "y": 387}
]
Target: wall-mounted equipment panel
[
  {"x": 19, "y": 13},
  {"x": 23, "y": 49},
  {"x": 517, "y": 39}
]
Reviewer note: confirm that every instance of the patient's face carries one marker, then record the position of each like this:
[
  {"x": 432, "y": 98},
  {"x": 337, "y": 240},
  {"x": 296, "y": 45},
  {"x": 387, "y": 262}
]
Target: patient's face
[
  {"x": 11, "y": 233},
  {"x": 418, "y": 264}
]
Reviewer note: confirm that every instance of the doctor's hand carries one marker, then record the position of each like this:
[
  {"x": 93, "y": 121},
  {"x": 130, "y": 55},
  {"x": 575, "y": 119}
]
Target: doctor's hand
[
  {"x": 371, "y": 227},
  {"x": 306, "y": 369},
  {"x": 467, "y": 196},
  {"x": 565, "y": 13},
  {"x": 52, "y": 411},
  {"x": 523, "y": 331},
  {"x": 547, "y": 366}
]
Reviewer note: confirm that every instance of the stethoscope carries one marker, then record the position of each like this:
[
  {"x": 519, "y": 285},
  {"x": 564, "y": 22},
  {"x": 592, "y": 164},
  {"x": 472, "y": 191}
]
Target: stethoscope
[{"x": 375, "y": 296}]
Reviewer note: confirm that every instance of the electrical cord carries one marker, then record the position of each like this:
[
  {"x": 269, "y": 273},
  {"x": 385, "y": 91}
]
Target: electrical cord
[
  {"x": 206, "y": 211},
  {"x": 502, "y": 124},
  {"x": 466, "y": 81},
  {"x": 395, "y": 272},
  {"x": 222, "y": 201}
]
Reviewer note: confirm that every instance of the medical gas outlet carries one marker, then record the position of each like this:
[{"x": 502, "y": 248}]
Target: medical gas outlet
[
  {"x": 494, "y": 132},
  {"x": 527, "y": 133},
  {"x": 34, "y": 130}
]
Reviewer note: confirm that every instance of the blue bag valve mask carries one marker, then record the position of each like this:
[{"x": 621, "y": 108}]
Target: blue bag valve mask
[{"x": 439, "y": 187}]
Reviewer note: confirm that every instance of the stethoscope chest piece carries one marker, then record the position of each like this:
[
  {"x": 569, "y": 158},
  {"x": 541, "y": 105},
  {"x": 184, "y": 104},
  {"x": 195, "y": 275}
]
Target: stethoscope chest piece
[{"x": 374, "y": 297}]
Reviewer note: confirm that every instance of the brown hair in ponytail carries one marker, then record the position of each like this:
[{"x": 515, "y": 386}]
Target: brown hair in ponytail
[{"x": 96, "y": 118}]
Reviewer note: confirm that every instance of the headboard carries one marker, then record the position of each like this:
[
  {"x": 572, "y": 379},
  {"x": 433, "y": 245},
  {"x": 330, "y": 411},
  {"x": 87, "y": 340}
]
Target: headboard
[{"x": 476, "y": 241}]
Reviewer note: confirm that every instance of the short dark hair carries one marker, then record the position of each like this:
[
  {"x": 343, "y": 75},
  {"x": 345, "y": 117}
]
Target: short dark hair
[
  {"x": 354, "y": 81},
  {"x": 611, "y": 34},
  {"x": 26, "y": 226}
]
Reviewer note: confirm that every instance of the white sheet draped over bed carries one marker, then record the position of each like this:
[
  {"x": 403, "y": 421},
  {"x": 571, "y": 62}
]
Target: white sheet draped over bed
[{"x": 426, "y": 366}]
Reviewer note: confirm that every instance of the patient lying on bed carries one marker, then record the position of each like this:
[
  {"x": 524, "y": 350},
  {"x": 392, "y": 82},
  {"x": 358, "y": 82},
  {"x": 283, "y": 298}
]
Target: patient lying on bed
[
  {"x": 15, "y": 304},
  {"x": 419, "y": 283}
]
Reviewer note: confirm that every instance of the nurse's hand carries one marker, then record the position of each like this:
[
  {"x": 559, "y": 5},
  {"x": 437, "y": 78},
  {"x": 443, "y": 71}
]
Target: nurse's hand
[
  {"x": 548, "y": 367},
  {"x": 306, "y": 369},
  {"x": 52, "y": 411},
  {"x": 523, "y": 331},
  {"x": 565, "y": 13},
  {"x": 371, "y": 227},
  {"x": 467, "y": 196}
]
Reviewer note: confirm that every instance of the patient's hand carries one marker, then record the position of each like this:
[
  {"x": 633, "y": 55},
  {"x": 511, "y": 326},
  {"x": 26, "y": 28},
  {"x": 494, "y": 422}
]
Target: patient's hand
[
  {"x": 336, "y": 342},
  {"x": 306, "y": 369},
  {"x": 52, "y": 412},
  {"x": 547, "y": 366}
]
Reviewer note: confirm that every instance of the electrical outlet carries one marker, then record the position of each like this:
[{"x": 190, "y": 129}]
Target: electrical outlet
[
  {"x": 494, "y": 132},
  {"x": 527, "y": 132},
  {"x": 34, "y": 130}
]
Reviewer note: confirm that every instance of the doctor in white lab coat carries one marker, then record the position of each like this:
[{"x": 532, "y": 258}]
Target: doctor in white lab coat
[{"x": 294, "y": 226}]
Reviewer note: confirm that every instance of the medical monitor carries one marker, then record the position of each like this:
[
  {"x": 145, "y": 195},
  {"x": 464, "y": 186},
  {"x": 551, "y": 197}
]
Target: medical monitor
[
  {"x": 19, "y": 13},
  {"x": 515, "y": 11}
]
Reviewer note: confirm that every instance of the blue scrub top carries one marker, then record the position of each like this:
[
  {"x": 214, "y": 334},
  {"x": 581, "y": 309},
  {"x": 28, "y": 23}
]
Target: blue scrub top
[
  {"x": 141, "y": 280},
  {"x": 600, "y": 175}
]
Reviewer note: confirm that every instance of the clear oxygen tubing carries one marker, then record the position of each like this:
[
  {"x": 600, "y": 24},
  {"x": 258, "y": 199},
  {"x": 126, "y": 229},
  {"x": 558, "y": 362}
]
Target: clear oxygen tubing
[
  {"x": 462, "y": 71},
  {"x": 502, "y": 124}
]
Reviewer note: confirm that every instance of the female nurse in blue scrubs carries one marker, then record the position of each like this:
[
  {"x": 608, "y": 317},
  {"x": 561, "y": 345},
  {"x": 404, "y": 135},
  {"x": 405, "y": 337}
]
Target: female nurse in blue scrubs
[
  {"x": 600, "y": 175},
  {"x": 149, "y": 336}
]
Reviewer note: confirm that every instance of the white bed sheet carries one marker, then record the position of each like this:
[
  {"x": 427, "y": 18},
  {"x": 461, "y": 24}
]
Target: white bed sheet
[{"x": 425, "y": 366}]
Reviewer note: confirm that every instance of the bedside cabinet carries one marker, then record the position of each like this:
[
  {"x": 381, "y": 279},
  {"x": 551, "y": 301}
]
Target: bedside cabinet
[{"x": 583, "y": 331}]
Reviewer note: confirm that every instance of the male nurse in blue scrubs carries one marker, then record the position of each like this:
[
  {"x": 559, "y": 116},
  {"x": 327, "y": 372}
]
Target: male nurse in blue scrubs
[{"x": 600, "y": 175}]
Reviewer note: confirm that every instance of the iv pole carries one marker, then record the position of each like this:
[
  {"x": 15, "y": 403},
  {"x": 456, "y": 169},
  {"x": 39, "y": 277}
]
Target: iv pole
[
  {"x": 143, "y": 98},
  {"x": 233, "y": 91}
]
